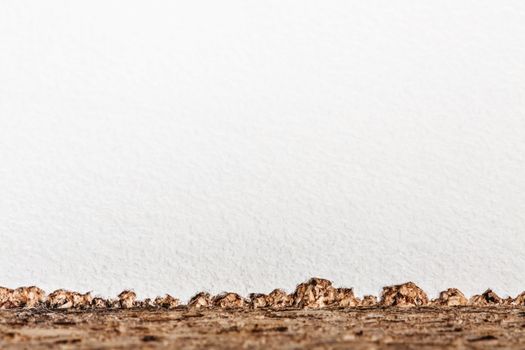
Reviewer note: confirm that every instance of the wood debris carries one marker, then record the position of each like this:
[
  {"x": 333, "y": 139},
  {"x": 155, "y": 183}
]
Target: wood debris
[
  {"x": 201, "y": 300},
  {"x": 65, "y": 299},
  {"x": 519, "y": 300},
  {"x": 167, "y": 302},
  {"x": 403, "y": 295},
  {"x": 368, "y": 300},
  {"x": 229, "y": 301},
  {"x": 450, "y": 297},
  {"x": 316, "y": 293},
  {"x": 99, "y": 303},
  {"x": 127, "y": 299},
  {"x": 278, "y": 299},
  {"x": 486, "y": 299},
  {"x": 344, "y": 297},
  {"x": 258, "y": 300}
]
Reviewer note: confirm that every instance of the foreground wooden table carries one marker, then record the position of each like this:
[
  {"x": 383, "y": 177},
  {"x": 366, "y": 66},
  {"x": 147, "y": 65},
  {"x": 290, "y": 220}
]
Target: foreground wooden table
[{"x": 356, "y": 328}]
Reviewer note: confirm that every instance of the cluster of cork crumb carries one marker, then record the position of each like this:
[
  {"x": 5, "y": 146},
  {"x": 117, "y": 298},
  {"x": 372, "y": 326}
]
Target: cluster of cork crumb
[{"x": 315, "y": 293}]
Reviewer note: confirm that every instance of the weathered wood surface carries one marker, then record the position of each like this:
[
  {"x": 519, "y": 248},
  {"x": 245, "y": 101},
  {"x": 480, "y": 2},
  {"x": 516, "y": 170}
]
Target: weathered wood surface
[{"x": 351, "y": 328}]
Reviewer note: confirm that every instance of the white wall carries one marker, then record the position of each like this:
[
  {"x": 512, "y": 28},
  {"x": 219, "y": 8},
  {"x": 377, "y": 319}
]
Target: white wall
[{"x": 178, "y": 146}]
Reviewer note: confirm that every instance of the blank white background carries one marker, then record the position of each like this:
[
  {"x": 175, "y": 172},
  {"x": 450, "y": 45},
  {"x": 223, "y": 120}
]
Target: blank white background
[{"x": 178, "y": 146}]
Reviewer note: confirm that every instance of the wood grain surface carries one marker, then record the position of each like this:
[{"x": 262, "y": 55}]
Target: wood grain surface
[{"x": 351, "y": 328}]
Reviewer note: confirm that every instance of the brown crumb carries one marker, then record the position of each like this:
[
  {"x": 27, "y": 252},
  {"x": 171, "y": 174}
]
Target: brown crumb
[
  {"x": 258, "y": 300},
  {"x": 113, "y": 304},
  {"x": 403, "y": 295},
  {"x": 507, "y": 301},
  {"x": 28, "y": 297},
  {"x": 82, "y": 301},
  {"x": 5, "y": 298},
  {"x": 99, "y": 303},
  {"x": 344, "y": 297},
  {"x": 167, "y": 302},
  {"x": 65, "y": 299},
  {"x": 279, "y": 299},
  {"x": 450, "y": 297},
  {"x": 314, "y": 294},
  {"x": 368, "y": 300},
  {"x": 60, "y": 299},
  {"x": 519, "y": 300},
  {"x": 146, "y": 303},
  {"x": 486, "y": 299},
  {"x": 229, "y": 301},
  {"x": 127, "y": 299},
  {"x": 201, "y": 300}
]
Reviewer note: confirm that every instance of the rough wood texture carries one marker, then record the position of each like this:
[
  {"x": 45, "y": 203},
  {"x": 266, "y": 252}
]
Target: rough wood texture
[
  {"x": 315, "y": 315},
  {"x": 376, "y": 327}
]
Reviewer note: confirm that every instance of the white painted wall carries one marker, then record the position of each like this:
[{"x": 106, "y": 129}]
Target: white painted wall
[{"x": 175, "y": 146}]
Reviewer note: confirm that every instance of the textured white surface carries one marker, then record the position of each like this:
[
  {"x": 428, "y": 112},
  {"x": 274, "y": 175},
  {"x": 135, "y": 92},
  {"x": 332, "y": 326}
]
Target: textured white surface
[{"x": 178, "y": 146}]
